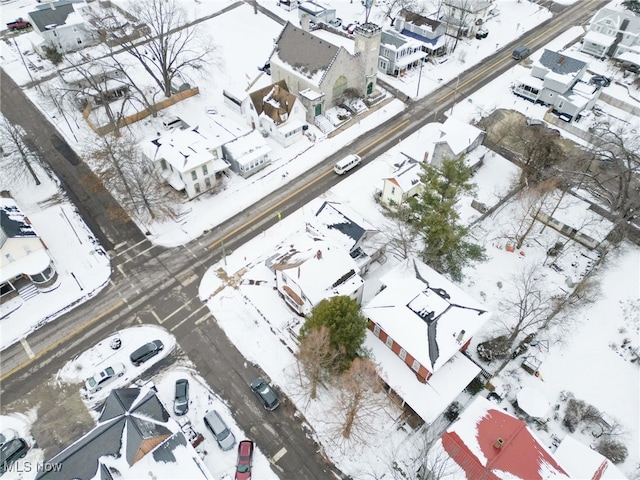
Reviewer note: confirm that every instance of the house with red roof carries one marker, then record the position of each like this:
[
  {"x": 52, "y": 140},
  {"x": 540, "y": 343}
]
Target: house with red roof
[{"x": 486, "y": 442}]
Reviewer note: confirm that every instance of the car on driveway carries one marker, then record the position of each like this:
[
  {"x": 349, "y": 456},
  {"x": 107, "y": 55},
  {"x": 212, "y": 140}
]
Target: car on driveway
[
  {"x": 103, "y": 378},
  {"x": 482, "y": 33},
  {"x": 145, "y": 352},
  {"x": 181, "y": 397},
  {"x": 600, "y": 80},
  {"x": 12, "y": 451},
  {"x": 265, "y": 393},
  {"x": 220, "y": 431},
  {"x": 245, "y": 459}
]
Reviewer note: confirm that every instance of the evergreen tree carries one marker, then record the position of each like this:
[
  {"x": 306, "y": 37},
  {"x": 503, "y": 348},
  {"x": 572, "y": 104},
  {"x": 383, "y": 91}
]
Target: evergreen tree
[
  {"x": 346, "y": 324},
  {"x": 632, "y": 5},
  {"x": 434, "y": 216}
]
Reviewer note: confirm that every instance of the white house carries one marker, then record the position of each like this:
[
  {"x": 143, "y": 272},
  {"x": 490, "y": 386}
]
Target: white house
[
  {"x": 614, "y": 32},
  {"x": 429, "y": 32},
  {"x": 276, "y": 111},
  {"x": 399, "y": 53},
  {"x": 311, "y": 269},
  {"x": 403, "y": 183},
  {"x": 420, "y": 324},
  {"x": 247, "y": 154},
  {"x": 25, "y": 265},
  {"x": 61, "y": 25},
  {"x": 346, "y": 228},
  {"x": 189, "y": 160},
  {"x": 464, "y": 17},
  {"x": 556, "y": 81},
  {"x": 456, "y": 138}
]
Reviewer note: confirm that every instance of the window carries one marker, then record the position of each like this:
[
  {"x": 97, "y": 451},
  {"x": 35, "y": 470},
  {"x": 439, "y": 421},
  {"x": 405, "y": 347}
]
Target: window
[
  {"x": 376, "y": 330},
  {"x": 194, "y": 175},
  {"x": 416, "y": 365},
  {"x": 389, "y": 342},
  {"x": 215, "y": 154},
  {"x": 205, "y": 171},
  {"x": 393, "y": 190},
  {"x": 197, "y": 187},
  {"x": 207, "y": 182},
  {"x": 402, "y": 354},
  {"x": 8, "y": 257},
  {"x": 79, "y": 41}
]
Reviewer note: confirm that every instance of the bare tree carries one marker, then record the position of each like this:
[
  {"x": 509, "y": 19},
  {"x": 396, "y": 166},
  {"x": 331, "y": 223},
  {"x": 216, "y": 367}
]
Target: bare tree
[
  {"x": 17, "y": 158},
  {"x": 532, "y": 202},
  {"x": 359, "y": 397},
  {"x": 169, "y": 47},
  {"x": 131, "y": 179},
  {"x": 316, "y": 357},
  {"x": 392, "y": 8},
  {"x": 401, "y": 238},
  {"x": 457, "y": 15}
]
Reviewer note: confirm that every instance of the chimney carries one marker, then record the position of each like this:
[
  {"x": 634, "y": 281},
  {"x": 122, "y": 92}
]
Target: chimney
[
  {"x": 498, "y": 443},
  {"x": 304, "y": 22},
  {"x": 319, "y": 254},
  {"x": 460, "y": 336}
]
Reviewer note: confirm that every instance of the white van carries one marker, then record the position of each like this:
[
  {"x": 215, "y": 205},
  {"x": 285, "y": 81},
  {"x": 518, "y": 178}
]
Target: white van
[
  {"x": 172, "y": 122},
  {"x": 346, "y": 164}
]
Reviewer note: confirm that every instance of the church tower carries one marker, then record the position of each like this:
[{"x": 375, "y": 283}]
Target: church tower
[{"x": 368, "y": 49}]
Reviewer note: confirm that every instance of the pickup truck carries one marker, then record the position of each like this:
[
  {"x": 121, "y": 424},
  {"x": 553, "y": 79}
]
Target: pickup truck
[{"x": 18, "y": 24}]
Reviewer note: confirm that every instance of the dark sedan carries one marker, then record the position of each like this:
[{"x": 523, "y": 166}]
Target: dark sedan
[{"x": 265, "y": 393}]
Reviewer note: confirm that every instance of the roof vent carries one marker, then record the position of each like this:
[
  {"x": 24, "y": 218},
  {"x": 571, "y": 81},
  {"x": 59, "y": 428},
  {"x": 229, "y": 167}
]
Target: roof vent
[{"x": 498, "y": 443}]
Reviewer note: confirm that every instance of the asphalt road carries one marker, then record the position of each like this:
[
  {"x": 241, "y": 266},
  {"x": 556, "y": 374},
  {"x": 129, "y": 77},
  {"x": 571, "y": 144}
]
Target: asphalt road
[{"x": 155, "y": 285}]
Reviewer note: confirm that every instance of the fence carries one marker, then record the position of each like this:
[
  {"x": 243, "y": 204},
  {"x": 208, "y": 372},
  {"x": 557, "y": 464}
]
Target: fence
[{"x": 136, "y": 117}]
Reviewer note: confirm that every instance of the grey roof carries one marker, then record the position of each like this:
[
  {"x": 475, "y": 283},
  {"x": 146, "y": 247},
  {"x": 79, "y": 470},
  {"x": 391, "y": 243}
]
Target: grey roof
[
  {"x": 46, "y": 15},
  {"x": 347, "y": 227},
  {"x": 560, "y": 63},
  {"x": 127, "y": 417},
  {"x": 304, "y": 52},
  {"x": 419, "y": 20},
  {"x": 164, "y": 452},
  {"x": 13, "y": 222},
  {"x": 390, "y": 39}
]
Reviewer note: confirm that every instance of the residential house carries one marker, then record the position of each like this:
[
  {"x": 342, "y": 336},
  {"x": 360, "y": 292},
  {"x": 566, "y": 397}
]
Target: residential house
[
  {"x": 423, "y": 317},
  {"x": 25, "y": 266},
  {"x": 276, "y": 111},
  {"x": 420, "y": 325},
  {"x": 488, "y": 442},
  {"x": 429, "y": 32},
  {"x": 134, "y": 438},
  {"x": 457, "y": 138},
  {"x": 402, "y": 184},
  {"x": 614, "y": 32},
  {"x": 247, "y": 154},
  {"x": 556, "y": 81},
  {"x": 315, "y": 12},
  {"x": 346, "y": 228},
  {"x": 60, "y": 25},
  {"x": 189, "y": 160},
  {"x": 463, "y": 18},
  {"x": 321, "y": 74},
  {"x": 399, "y": 53},
  {"x": 311, "y": 269}
]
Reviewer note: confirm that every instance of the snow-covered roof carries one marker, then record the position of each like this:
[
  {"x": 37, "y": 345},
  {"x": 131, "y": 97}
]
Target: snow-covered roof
[
  {"x": 310, "y": 94},
  {"x": 426, "y": 314},
  {"x": 342, "y": 225},
  {"x": 55, "y": 13},
  {"x": 320, "y": 269},
  {"x": 13, "y": 223},
  {"x": 580, "y": 461},
  {"x": 458, "y": 135},
  {"x": 186, "y": 149},
  {"x": 487, "y": 442},
  {"x": 599, "y": 38},
  {"x": 247, "y": 148},
  {"x": 274, "y": 101},
  {"x": 304, "y": 53},
  {"x": 407, "y": 175}
]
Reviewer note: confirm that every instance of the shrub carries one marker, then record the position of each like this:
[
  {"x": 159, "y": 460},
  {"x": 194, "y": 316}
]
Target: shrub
[{"x": 612, "y": 449}]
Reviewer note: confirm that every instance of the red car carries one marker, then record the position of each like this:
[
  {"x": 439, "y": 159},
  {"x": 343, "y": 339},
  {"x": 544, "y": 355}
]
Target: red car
[{"x": 245, "y": 457}]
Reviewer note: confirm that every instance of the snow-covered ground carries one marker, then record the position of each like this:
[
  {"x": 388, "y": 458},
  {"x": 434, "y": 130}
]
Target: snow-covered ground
[{"x": 593, "y": 363}]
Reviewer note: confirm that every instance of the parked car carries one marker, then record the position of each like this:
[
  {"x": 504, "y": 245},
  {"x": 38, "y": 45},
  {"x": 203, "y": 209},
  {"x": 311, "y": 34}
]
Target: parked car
[
  {"x": 482, "y": 33},
  {"x": 12, "y": 451},
  {"x": 181, "y": 397},
  {"x": 103, "y": 378},
  {"x": 351, "y": 28},
  {"x": 220, "y": 431},
  {"x": 145, "y": 352},
  {"x": 265, "y": 393},
  {"x": 336, "y": 22},
  {"x": 245, "y": 459}
]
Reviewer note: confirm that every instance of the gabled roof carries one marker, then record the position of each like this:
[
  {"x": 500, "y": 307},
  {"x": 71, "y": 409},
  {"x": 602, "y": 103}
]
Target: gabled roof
[
  {"x": 53, "y": 13},
  {"x": 274, "y": 101},
  {"x": 304, "y": 52},
  {"x": 132, "y": 423},
  {"x": 407, "y": 175},
  {"x": 419, "y": 20},
  {"x": 617, "y": 16},
  {"x": 342, "y": 225},
  {"x": 560, "y": 63},
  {"x": 247, "y": 148},
  {"x": 580, "y": 461},
  {"x": 458, "y": 135},
  {"x": 426, "y": 314},
  {"x": 489, "y": 443}
]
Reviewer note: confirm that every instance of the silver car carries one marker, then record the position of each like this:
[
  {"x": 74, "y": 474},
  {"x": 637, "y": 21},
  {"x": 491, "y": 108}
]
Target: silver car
[{"x": 105, "y": 377}]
